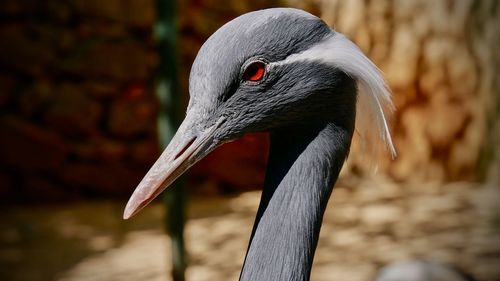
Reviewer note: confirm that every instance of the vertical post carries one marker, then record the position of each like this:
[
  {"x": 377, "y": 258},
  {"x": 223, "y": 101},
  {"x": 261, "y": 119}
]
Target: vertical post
[{"x": 169, "y": 118}]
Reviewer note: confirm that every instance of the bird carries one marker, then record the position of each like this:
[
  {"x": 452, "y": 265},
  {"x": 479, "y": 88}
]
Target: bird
[{"x": 282, "y": 71}]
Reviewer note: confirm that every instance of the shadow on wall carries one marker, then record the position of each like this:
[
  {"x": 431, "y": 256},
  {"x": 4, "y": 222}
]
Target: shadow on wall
[{"x": 77, "y": 109}]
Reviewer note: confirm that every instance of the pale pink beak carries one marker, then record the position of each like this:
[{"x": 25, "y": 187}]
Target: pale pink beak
[{"x": 183, "y": 151}]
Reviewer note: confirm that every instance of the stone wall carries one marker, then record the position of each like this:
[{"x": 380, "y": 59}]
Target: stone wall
[
  {"x": 78, "y": 108},
  {"x": 76, "y": 98},
  {"x": 441, "y": 61}
]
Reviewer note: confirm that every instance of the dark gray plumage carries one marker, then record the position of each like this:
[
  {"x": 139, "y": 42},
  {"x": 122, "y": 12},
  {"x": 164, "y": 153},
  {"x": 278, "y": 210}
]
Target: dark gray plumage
[{"x": 306, "y": 98}]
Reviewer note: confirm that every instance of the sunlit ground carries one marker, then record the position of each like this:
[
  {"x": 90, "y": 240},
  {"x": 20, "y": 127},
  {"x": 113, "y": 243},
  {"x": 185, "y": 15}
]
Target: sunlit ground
[{"x": 366, "y": 227}]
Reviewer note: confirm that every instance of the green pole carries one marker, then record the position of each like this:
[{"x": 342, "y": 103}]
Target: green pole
[{"x": 169, "y": 118}]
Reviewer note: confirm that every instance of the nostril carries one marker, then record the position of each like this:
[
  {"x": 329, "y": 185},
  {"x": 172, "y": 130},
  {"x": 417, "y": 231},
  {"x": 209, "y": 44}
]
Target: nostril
[{"x": 185, "y": 148}]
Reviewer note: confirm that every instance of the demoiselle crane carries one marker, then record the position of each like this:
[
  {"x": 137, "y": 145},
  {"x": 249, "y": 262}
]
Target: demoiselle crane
[{"x": 282, "y": 71}]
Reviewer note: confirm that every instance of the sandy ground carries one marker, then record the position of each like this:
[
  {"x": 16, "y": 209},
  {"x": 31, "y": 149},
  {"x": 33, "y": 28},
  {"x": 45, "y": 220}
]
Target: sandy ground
[{"x": 365, "y": 228}]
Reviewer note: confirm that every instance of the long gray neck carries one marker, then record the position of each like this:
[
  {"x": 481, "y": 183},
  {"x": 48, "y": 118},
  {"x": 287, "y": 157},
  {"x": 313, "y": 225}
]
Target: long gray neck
[{"x": 303, "y": 166}]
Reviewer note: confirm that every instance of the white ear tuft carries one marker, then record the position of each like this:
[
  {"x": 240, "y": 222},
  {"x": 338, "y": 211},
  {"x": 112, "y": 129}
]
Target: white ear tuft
[{"x": 374, "y": 97}]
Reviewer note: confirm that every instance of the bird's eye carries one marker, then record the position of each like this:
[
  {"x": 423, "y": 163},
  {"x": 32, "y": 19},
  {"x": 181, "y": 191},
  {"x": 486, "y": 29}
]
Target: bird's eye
[{"x": 254, "y": 71}]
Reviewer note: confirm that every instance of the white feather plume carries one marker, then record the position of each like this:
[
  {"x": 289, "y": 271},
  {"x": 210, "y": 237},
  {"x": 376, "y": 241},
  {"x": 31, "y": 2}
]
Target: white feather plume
[{"x": 374, "y": 96}]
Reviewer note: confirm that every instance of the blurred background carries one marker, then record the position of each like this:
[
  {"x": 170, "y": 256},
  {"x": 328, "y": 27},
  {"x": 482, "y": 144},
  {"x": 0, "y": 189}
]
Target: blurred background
[{"x": 78, "y": 130}]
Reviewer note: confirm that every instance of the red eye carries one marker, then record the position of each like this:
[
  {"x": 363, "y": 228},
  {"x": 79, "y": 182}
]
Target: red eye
[{"x": 255, "y": 71}]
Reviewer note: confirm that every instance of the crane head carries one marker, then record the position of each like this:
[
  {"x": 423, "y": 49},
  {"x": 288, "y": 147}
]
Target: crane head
[{"x": 263, "y": 71}]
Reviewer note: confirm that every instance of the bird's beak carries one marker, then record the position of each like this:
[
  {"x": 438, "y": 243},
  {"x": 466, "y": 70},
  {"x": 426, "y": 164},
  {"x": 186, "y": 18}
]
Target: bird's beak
[{"x": 183, "y": 151}]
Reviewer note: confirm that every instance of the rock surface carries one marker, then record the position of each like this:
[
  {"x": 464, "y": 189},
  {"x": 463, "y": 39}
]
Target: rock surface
[{"x": 457, "y": 225}]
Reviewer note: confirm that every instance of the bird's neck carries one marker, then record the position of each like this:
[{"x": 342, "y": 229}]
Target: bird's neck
[{"x": 303, "y": 166}]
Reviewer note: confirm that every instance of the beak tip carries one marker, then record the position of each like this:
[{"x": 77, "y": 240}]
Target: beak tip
[
  {"x": 129, "y": 211},
  {"x": 126, "y": 215}
]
